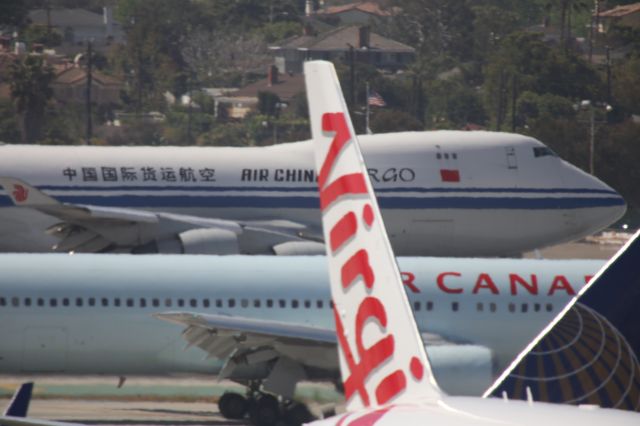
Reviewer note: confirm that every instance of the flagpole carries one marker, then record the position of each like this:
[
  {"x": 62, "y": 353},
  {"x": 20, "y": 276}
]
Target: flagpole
[{"x": 366, "y": 116}]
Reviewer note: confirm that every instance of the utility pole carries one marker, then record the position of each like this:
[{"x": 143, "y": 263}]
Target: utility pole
[
  {"x": 88, "y": 92},
  {"x": 352, "y": 76}
]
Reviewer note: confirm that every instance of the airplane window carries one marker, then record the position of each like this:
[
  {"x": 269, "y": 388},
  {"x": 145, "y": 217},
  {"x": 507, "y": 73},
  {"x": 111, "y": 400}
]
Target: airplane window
[
  {"x": 524, "y": 307},
  {"x": 543, "y": 151},
  {"x": 244, "y": 303},
  {"x": 129, "y": 303},
  {"x": 282, "y": 303},
  {"x": 429, "y": 305},
  {"x": 181, "y": 302},
  {"x": 53, "y": 302},
  {"x": 105, "y": 301},
  {"x": 40, "y": 302},
  {"x": 27, "y": 301},
  {"x": 492, "y": 307},
  {"x": 294, "y": 303},
  {"x": 480, "y": 307},
  {"x": 319, "y": 304},
  {"x": 307, "y": 304},
  {"x": 256, "y": 303},
  {"x": 79, "y": 301},
  {"x": 167, "y": 302},
  {"x": 218, "y": 303},
  {"x": 536, "y": 307},
  {"x": 3, "y": 301},
  {"x": 65, "y": 302},
  {"x": 454, "y": 156},
  {"x": 143, "y": 302},
  {"x": 116, "y": 301},
  {"x": 92, "y": 301},
  {"x": 206, "y": 303},
  {"x": 231, "y": 303},
  {"x": 455, "y": 306},
  {"x": 193, "y": 303},
  {"x": 331, "y": 304},
  {"x": 269, "y": 303},
  {"x": 416, "y": 305},
  {"x": 446, "y": 156},
  {"x": 15, "y": 301},
  {"x": 549, "y": 307},
  {"x": 438, "y": 156},
  {"x": 155, "y": 302},
  {"x": 512, "y": 307}
]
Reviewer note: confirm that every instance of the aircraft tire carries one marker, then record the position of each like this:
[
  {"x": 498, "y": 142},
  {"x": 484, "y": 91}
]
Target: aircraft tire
[
  {"x": 297, "y": 414},
  {"x": 265, "y": 411},
  {"x": 233, "y": 406}
]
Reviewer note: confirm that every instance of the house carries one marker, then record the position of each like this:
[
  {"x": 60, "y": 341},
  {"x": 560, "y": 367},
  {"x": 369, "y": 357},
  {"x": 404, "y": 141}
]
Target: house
[
  {"x": 78, "y": 26},
  {"x": 358, "y": 13},
  {"x": 70, "y": 85},
  {"x": 627, "y": 15},
  {"x": 337, "y": 44},
  {"x": 239, "y": 103}
]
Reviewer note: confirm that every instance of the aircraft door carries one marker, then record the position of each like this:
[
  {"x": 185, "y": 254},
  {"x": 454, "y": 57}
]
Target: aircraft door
[
  {"x": 45, "y": 350},
  {"x": 512, "y": 160}
]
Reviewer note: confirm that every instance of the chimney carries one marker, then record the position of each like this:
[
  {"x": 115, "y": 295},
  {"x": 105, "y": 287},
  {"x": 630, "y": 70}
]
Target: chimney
[
  {"x": 364, "y": 34},
  {"x": 273, "y": 76}
]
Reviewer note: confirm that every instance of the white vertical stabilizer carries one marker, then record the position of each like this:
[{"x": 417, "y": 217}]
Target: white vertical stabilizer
[{"x": 382, "y": 357}]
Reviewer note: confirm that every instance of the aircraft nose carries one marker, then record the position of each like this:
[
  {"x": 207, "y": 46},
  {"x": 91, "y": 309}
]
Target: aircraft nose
[{"x": 602, "y": 204}]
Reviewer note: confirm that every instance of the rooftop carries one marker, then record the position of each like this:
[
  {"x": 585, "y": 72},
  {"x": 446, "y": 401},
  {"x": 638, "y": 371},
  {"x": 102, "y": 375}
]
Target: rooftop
[
  {"x": 340, "y": 39},
  {"x": 620, "y": 11}
]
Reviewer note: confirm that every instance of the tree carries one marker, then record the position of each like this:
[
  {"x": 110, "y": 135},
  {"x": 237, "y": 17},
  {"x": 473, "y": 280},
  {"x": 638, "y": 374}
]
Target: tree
[
  {"x": 30, "y": 90},
  {"x": 13, "y": 13}
]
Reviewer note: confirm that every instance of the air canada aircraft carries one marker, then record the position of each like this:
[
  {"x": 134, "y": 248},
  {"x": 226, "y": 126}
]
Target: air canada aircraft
[
  {"x": 443, "y": 193},
  {"x": 256, "y": 319},
  {"x": 388, "y": 377}
]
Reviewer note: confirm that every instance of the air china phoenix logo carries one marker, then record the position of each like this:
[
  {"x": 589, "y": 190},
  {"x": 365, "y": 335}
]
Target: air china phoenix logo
[
  {"x": 20, "y": 193},
  {"x": 345, "y": 237}
]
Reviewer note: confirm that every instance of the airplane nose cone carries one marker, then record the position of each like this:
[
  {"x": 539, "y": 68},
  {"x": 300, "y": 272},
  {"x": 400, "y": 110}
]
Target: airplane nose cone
[{"x": 602, "y": 204}]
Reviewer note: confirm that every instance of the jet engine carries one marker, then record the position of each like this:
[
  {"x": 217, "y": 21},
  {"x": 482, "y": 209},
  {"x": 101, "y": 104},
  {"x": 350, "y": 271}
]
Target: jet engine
[
  {"x": 194, "y": 241},
  {"x": 462, "y": 369}
]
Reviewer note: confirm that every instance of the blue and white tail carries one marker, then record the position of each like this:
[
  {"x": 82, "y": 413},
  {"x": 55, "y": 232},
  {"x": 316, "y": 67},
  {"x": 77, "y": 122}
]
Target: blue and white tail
[
  {"x": 19, "y": 405},
  {"x": 589, "y": 353},
  {"x": 382, "y": 357}
]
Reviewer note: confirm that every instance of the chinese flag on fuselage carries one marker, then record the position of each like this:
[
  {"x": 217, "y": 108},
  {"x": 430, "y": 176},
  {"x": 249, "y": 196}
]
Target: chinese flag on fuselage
[{"x": 450, "y": 175}]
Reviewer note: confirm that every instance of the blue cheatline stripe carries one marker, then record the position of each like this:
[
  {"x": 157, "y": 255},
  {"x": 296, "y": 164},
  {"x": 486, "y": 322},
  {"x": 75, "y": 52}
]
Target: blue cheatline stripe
[
  {"x": 313, "y": 188},
  {"x": 520, "y": 203}
]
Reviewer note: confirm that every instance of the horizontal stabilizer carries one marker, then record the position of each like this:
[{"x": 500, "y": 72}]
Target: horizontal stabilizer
[{"x": 589, "y": 353}]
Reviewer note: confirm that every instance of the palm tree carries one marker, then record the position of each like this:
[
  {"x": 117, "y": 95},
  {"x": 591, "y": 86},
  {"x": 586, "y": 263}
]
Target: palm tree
[{"x": 30, "y": 90}]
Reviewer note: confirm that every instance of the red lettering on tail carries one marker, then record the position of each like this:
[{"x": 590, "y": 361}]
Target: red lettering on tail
[{"x": 358, "y": 266}]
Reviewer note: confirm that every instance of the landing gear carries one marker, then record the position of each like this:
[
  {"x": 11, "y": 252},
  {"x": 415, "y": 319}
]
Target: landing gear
[
  {"x": 263, "y": 409},
  {"x": 233, "y": 406}
]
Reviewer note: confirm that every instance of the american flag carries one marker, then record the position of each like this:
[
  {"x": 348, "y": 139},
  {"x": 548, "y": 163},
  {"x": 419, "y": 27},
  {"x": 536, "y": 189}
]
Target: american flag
[{"x": 375, "y": 99}]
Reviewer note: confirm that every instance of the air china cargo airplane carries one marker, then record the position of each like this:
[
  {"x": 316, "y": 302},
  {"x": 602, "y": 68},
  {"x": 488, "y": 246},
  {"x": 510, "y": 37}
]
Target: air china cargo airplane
[
  {"x": 443, "y": 193},
  {"x": 245, "y": 316},
  {"x": 387, "y": 375}
]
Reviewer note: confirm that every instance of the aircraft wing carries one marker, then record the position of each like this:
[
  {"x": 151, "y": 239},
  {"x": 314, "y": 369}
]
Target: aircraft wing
[
  {"x": 242, "y": 341},
  {"x": 92, "y": 228}
]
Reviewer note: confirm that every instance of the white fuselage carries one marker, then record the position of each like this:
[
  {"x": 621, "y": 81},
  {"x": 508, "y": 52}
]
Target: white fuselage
[
  {"x": 466, "y": 411},
  {"x": 441, "y": 193},
  {"x": 91, "y": 314}
]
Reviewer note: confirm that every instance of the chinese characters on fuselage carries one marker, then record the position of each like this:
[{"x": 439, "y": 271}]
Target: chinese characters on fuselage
[{"x": 139, "y": 174}]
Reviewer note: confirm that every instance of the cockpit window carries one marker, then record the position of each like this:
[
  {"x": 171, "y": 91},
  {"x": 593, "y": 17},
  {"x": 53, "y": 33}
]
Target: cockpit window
[{"x": 543, "y": 151}]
